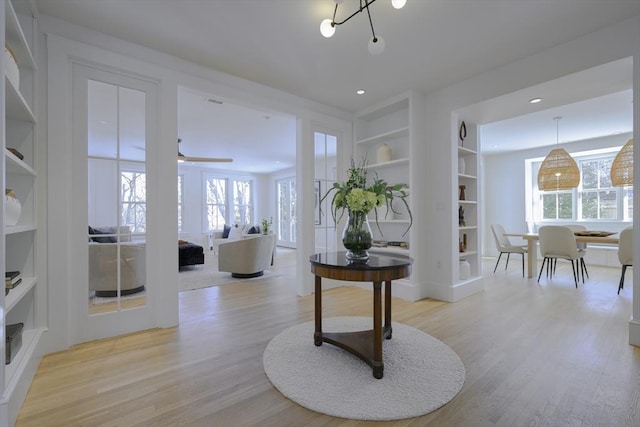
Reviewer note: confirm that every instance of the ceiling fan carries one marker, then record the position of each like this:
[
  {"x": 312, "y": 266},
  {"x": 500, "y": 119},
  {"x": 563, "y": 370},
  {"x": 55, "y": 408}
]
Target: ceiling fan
[{"x": 183, "y": 158}]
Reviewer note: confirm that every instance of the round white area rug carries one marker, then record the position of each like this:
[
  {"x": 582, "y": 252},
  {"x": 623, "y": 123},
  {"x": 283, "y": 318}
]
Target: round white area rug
[{"x": 421, "y": 373}]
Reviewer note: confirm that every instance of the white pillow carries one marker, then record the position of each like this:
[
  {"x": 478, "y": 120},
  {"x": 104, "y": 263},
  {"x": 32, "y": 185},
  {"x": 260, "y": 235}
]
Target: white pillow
[{"x": 235, "y": 232}]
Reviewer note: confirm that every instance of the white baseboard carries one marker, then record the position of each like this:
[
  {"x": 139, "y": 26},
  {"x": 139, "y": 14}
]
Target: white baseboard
[{"x": 455, "y": 292}]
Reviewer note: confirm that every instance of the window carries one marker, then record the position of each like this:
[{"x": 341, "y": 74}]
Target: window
[
  {"x": 594, "y": 199},
  {"x": 229, "y": 201},
  {"x": 133, "y": 199},
  {"x": 598, "y": 196},
  {"x": 242, "y": 207},
  {"x": 216, "y": 197}
]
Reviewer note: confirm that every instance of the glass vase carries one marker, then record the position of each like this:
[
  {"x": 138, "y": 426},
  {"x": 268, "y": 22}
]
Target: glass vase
[{"x": 357, "y": 237}]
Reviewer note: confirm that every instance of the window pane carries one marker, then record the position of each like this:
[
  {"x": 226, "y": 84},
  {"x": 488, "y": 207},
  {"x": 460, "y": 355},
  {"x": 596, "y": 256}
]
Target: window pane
[
  {"x": 629, "y": 200},
  {"x": 242, "y": 202},
  {"x": 590, "y": 205},
  {"x": 216, "y": 217},
  {"x": 216, "y": 196},
  {"x": 608, "y": 205},
  {"x": 589, "y": 175},
  {"x": 604, "y": 173},
  {"x": 549, "y": 207},
  {"x": 565, "y": 206}
]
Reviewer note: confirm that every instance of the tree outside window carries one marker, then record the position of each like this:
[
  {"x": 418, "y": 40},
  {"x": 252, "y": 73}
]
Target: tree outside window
[
  {"x": 557, "y": 205},
  {"x": 242, "y": 207},
  {"x": 133, "y": 199},
  {"x": 216, "y": 196},
  {"x": 599, "y": 197}
]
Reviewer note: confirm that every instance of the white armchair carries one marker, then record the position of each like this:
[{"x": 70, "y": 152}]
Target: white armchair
[
  {"x": 103, "y": 273},
  {"x": 247, "y": 257}
]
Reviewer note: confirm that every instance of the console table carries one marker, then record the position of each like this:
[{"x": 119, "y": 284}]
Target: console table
[{"x": 367, "y": 345}]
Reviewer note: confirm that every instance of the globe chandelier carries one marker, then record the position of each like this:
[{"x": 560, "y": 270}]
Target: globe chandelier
[{"x": 376, "y": 44}]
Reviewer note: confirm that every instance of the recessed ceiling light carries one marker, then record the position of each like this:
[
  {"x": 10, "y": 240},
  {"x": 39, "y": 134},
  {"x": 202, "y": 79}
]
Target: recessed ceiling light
[
  {"x": 361, "y": 91},
  {"x": 534, "y": 100}
]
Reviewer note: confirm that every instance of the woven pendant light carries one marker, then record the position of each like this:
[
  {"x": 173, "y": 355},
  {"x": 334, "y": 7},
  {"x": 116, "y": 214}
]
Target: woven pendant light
[
  {"x": 558, "y": 170},
  {"x": 622, "y": 166}
]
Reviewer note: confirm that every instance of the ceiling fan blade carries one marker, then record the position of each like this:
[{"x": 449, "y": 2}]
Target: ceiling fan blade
[
  {"x": 183, "y": 158},
  {"x": 207, "y": 159}
]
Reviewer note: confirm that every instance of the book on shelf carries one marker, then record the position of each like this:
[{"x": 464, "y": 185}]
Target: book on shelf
[
  {"x": 379, "y": 243},
  {"x": 12, "y": 279},
  {"x": 398, "y": 244},
  {"x": 12, "y": 285},
  {"x": 16, "y": 153}
]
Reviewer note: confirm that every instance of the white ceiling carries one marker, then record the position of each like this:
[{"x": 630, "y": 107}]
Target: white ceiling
[{"x": 429, "y": 44}]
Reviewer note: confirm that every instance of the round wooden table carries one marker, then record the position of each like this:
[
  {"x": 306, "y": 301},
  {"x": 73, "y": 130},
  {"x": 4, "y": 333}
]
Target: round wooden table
[{"x": 367, "y": 345}]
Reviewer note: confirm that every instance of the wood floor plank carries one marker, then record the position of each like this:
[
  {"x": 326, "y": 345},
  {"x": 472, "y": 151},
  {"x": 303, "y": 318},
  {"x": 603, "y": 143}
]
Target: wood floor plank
[{"x": 535, "y": 354}]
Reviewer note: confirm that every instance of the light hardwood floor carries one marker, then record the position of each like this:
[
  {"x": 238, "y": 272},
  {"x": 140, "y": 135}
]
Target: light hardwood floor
[{"x": 535, "y": 354}]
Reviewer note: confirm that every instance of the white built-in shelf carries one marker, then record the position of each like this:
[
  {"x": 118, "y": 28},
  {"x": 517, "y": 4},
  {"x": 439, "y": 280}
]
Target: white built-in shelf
[
  {"x": 17, "y": 107},
  {"x": 372, "y": 221},
  {"x": 16, "y": 294},
  {"x": 390, "y": 163},
  {"x": 466, "y": 254},
  {"x": 19, "y": 229},
  {"x": 467, "y": 202},
  {"x": 391, "y": 250},
  {"x": 16, "y": 166},
  {"x": 15, "y": 39},
  {"x": 463, "y": 151},
  {"x": 464, "y": 175},
  {"x": 468, "y": 227},
  {"x": 30, "y": 338},
  {"x": 386, "y": 136}
]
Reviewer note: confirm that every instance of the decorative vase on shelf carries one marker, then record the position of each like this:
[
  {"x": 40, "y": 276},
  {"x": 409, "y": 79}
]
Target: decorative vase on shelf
[
  {"x": 465, "y": 270},
  {"x": 462, "y": 166},
  {"x": 12, "y": 208},
  {"x": 357, "y": 237},
  {"x": 384, "y": 153}
]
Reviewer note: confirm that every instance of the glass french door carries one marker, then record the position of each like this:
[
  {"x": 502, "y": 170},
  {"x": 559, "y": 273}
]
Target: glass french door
[
  {"x": 113, "y": 120},
  {"x": 325, "y": 149},
  {"x": 286, "y": 223}
]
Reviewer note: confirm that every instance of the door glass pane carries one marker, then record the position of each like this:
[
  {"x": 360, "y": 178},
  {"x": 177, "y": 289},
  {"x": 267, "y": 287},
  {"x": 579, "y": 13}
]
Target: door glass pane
[
  {"x": 286, "y": 223},
  {"x": 117, "y": 197},
  {"x": 325, "y": 148}
]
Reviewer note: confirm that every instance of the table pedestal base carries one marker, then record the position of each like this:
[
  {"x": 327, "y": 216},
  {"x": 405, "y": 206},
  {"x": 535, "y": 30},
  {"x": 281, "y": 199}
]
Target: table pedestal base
[{"x": 357, "y": 343}]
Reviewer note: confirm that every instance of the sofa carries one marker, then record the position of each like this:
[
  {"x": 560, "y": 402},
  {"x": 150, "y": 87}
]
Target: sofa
[
  {"x": 247, "y": 257},
  {"x": 235, "y": 232},
  {"x": 103, "y": 265}
]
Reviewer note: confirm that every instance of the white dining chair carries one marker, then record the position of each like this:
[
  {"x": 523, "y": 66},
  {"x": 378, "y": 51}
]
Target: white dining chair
[
  {"x": 625, "y": 253},
  {"x": 504, "y": 245},
  {"x": 581, "y": 247},
  {"x": 559, "y": 242}
]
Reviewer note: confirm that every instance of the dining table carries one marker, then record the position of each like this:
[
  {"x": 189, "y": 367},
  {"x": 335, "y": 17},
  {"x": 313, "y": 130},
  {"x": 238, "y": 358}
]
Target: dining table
[{"x": 595, "y": 237}]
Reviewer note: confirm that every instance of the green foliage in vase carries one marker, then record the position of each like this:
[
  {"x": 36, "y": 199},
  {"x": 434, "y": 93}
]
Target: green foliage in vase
[{"x": 357, "y": 195}]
